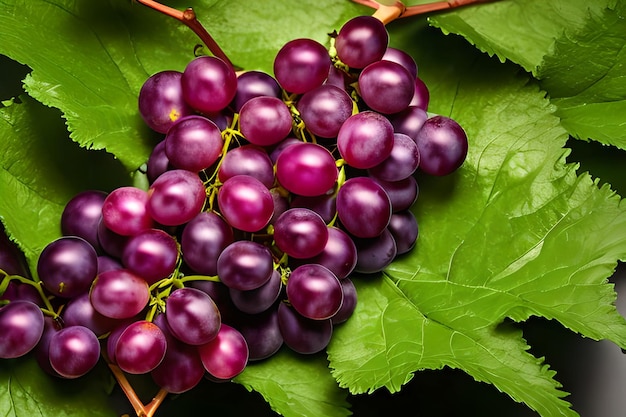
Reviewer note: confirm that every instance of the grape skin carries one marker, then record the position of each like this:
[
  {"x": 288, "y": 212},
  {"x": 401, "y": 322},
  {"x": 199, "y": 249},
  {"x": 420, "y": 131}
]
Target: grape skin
[{"x": 21, "y": 326}]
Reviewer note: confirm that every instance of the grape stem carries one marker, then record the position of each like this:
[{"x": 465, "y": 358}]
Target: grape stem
[
  {"x": 387, "y": 14},
  {"x": 188, "y": 17}
]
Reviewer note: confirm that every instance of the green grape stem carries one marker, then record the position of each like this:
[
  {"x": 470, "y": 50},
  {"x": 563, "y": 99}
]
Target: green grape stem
[{"x": 6, "y": 279}]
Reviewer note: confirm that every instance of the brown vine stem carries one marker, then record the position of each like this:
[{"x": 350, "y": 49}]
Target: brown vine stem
[
  {"x": 188, "y": 17},
  {"x": 387, "y": 14}
]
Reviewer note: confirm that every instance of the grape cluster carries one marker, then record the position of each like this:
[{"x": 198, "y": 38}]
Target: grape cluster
[{"x": 266, "y": 193}]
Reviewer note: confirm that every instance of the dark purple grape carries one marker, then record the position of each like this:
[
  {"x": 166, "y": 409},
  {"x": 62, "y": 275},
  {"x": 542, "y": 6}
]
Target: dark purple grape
[
  {"x": 402, "y": 163},
  {"x": 252, "y": 84},
  {"x": 324, "y": 109},
  {"x": 176, "y": 197},
  {"x": 324, "y": 205},
  {"x": 336, "y": 77},
  {"x": 202, "y": 241},
  {"x": 349, "y": 302},
  {"x": 363, "y": 207},
  {"x": 262, "y": 334},
  {"x": 404, "y": 229},
  {"x": 376, "y": 253},
  {"x": 21, "y": 327},
  {"x": 288, "y": 141},
  {"x": 20, "y": 291},
  {"x": 314, "y": 291},
  {"x": 111, "y": 243},
  {"x": 402, "y": 193},
  {"x": 386, "y": 87},
  {"x": 265, "y": 120},
  {"x": 113, "y": 337},
  {"x": 301, "y": 334},
  {"x": 208, "y": 84},
  {"x": 245, "y": 203},
  {"x": 339, "y": 254},
  {"x": 409, "y": 121},
  {"x": 442, "y": 144},
  {"x": 259, "y": 299},
  {"x": 249, "y": 160},
  {"x": 119, "y": 294},
  {"x": 361, "y": 41},
  {"x": 80, "y": 312},
  {"x": 400, "y": 57},
  {"x": 281, "y": 203},
  {"x": 365, "y": 139},
  {"x": 124, "y": 211},
  {"x": 81, "y": 216},
  {"x": 74, "y": 351},
  {"x": 140, "y": 348},
  {"x": 301, "y": 65},
  {"x": 306, "y": 169},
  {"x": 108, "y": 263},
  {"x": 245, "y": 265},
  {"x": 41, "y": 351},
  {"x": 67, "y": 266},
  {"x": 226, "y": 356},
  {"x": 192, "y": 316},
  {"x": 300, "y": 233},
  {"x": 161, "y": 101},
  {"x": 158, "y": 162},
  {"x": 152, "y": 254},
  {"x": 12, "y": 259},
  {"x": 421, "y": 96},
  {"x": 193, "y": 143}
]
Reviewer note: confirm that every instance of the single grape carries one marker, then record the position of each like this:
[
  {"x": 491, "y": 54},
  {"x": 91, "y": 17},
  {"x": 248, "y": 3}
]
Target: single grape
[
  {"x": 324, "y": 109},
  {"x": 67, "y": 266},
  {"x": 192, "y": 316},
  {"x": 12, "y": 259},
  {"x": 21, "y": 327},
  {"x": 245, "y": 203},
  {"x": 245, "y": 265},
  {"x": 193, "y": 143},
  {"x": 281, "y": 203},
  {"x": 400, "y": 57},
  {"x": 81, "y": 216},
  {"x": 161, "y": 101},
  {"x": 375, "y": 253},
  {"x": 364, "y": 196},
  {"x": 41, "y": 351},
  {"x": 301, "y": 65},
  {"x": 158, "y": 162},
  {"x": 402, "y": 193},
  {"x": 404, "y": 229},
  {"x": 208, "y": 84},
  {"x": 301, "y": 334},
  {"x": 140, "y": 348},
  {"x": 249, "y": 160},
  {"x": 409, "y": 121},
  {"x": 265, "y": 120},
  {"x": 202, "y": 241},
  {"x": 300, "y": 233},
  {"x": 306, "y": 169},
  {"x": 324, "y": 205},
  {"x": 349, "y": 302},
  {"x": 336, "y": 77},
  {"x": 226, "y": 356},
  {"x": 252, "y": 84},
  {"x": 421, "y": 96},
  {"x": 314, "y": 291},
  {"x": 74, "y": 351},
  {"x": 124, "y": 211},
  {"x": 80, "y": 312},
  {"x": 119, "y": 294},
  {"x": 402, "y": 163},
  {"x": 262, "y": 334},
  {"x": 365, "y": 139},
  {"x": 152, "y": 254},
  {"x": 339, "y": 254},
  {"x": 108, "y": 263},
  {"x": 442, "y": 144},
  {"x": 176, "y": 197},
  {"x": 361, "y": 41},
  {"x": 259, "y": 299},
  {"x": 285, "y": 143},
  {"x": 111, "y": 243},
  {"x": 386, "y": 87}
]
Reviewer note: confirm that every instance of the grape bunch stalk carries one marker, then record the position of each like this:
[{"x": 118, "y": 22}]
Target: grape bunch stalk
[{"x": 268, "y": 195}]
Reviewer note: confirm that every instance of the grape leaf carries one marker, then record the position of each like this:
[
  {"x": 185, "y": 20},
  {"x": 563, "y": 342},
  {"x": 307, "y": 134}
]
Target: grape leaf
[
  {"x": 515, "y": 233},
  {"x": 575, "y": 47}
]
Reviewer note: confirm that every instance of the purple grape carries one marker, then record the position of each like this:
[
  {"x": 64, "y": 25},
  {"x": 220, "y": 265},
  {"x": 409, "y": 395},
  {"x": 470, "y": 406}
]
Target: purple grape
[
  {"x": 301, "y": 334},
  {"x": 20, "y": 291},
  {"x": 402, "y": 162},
  {"x": 421, "y": 96},
  {"x": 400, "y": 57},
  {"x": 409, "y": 121},
  {"x": 220, "y": 294},
  {"x": 80, "y": 312},
  {"x": 152, "y": 254},
  {"x": 119, "y": 294},
  {"x": 81, "y": 216},
  {"x": 245, "y": 265},
  {"x": 193, "y": 143},
  {"x": 176, "y": 197},
  {"x": 124, "y": 211},
  {"x": 442, "y": 144},
  {"x": 300, "y": 233},
  {"x": 402, "y": 193},
  {"x": 349, "y": 302},
  {"x": 21, "y": 327},
  {"x": 245, "y": 203},
  {"x": 376, "y": 253},
  {"x": 404, "y": 229},
  {"x": 324, "y": 205},
  {"x": 281, "y": 203},
  {"x": 161, "y": 101},
  {"x": 259, "y": 299},
  {"x": 314, "y": 291},
  {"x": 306, "y": 169},
  {"x": 12, "y": 259},
  {"x": 364, "y": 196},
  {"x": 285, "y": 143},
  {"x": 208, "y": 84},
  {"x": 74, "y": 351},
  {"x": 158, "y": 162},
  {"x": 336, "y": 77},
  {"x": 339, "y": 254},
  {"x": 108, "y": 263},
  {"x": 249, "y": 160},
  {"x": 365, "y": 139},
  {"x": 265, "y": 120},
  {"x": 202, "y": 241},
  {"x": 192, "y": 316},
  {"x": 113, "y": 337},
  {"x": 301, "y": 65},
  {"x": 67, "y": 266},
  {"x": 140, "y": 348},
  {"x": 361, "y": 41},
  {"x": 111, "y": 243},
  {"x": 262, "y": 334},
  {"x": 252, "y": 84},
  {"x": 386, "y": 87},
  {"x": 324, "y": 109},
  {"x": 226, "y": 356},
  {"x": 41, "y": 351}
]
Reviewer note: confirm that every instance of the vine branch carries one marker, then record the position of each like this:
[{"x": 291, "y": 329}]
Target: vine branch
[{"x": 387, "y": 14}]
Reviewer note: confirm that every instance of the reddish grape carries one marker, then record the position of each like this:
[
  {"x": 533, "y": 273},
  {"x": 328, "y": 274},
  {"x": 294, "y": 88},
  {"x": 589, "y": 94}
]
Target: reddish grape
[
  {"x": 140, "y": 347},
  {"x": 306, "y": 169},
  {"x": 226, "y": 355},
  {"x": 176, "y": 197},
  {"x": 361, "y": 41},
  {"x": 314, "y": 291},
  {"x": 386, "y": 87},
  {"x": 400, "y": 57},
  {"x": 119, "y": 294},
  {"x": 192, "y": 316},
  {"x": 21, "y": 327},
  {"x": 442, "y": 144},
  {"x": 74, "y": 351},
  {"x": 245, "y": 203},
  {"x": 301, "y": 65},
  {"x": 152, "y": 254},
  {"x": 265, "y": 120},
  {"x": 324, "y": 109},
  {"x": 208, "y": 84},
  {"x": 161, "y": 101},
  {"x": 124, "y": 211},
  {"x": 300, "y": 233},
  {"x": 364, "y": 196},
  {"x": 193, "y": 143},
  {"x": 365, "y": 139},
  {"x": 249, "y": 160}
]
